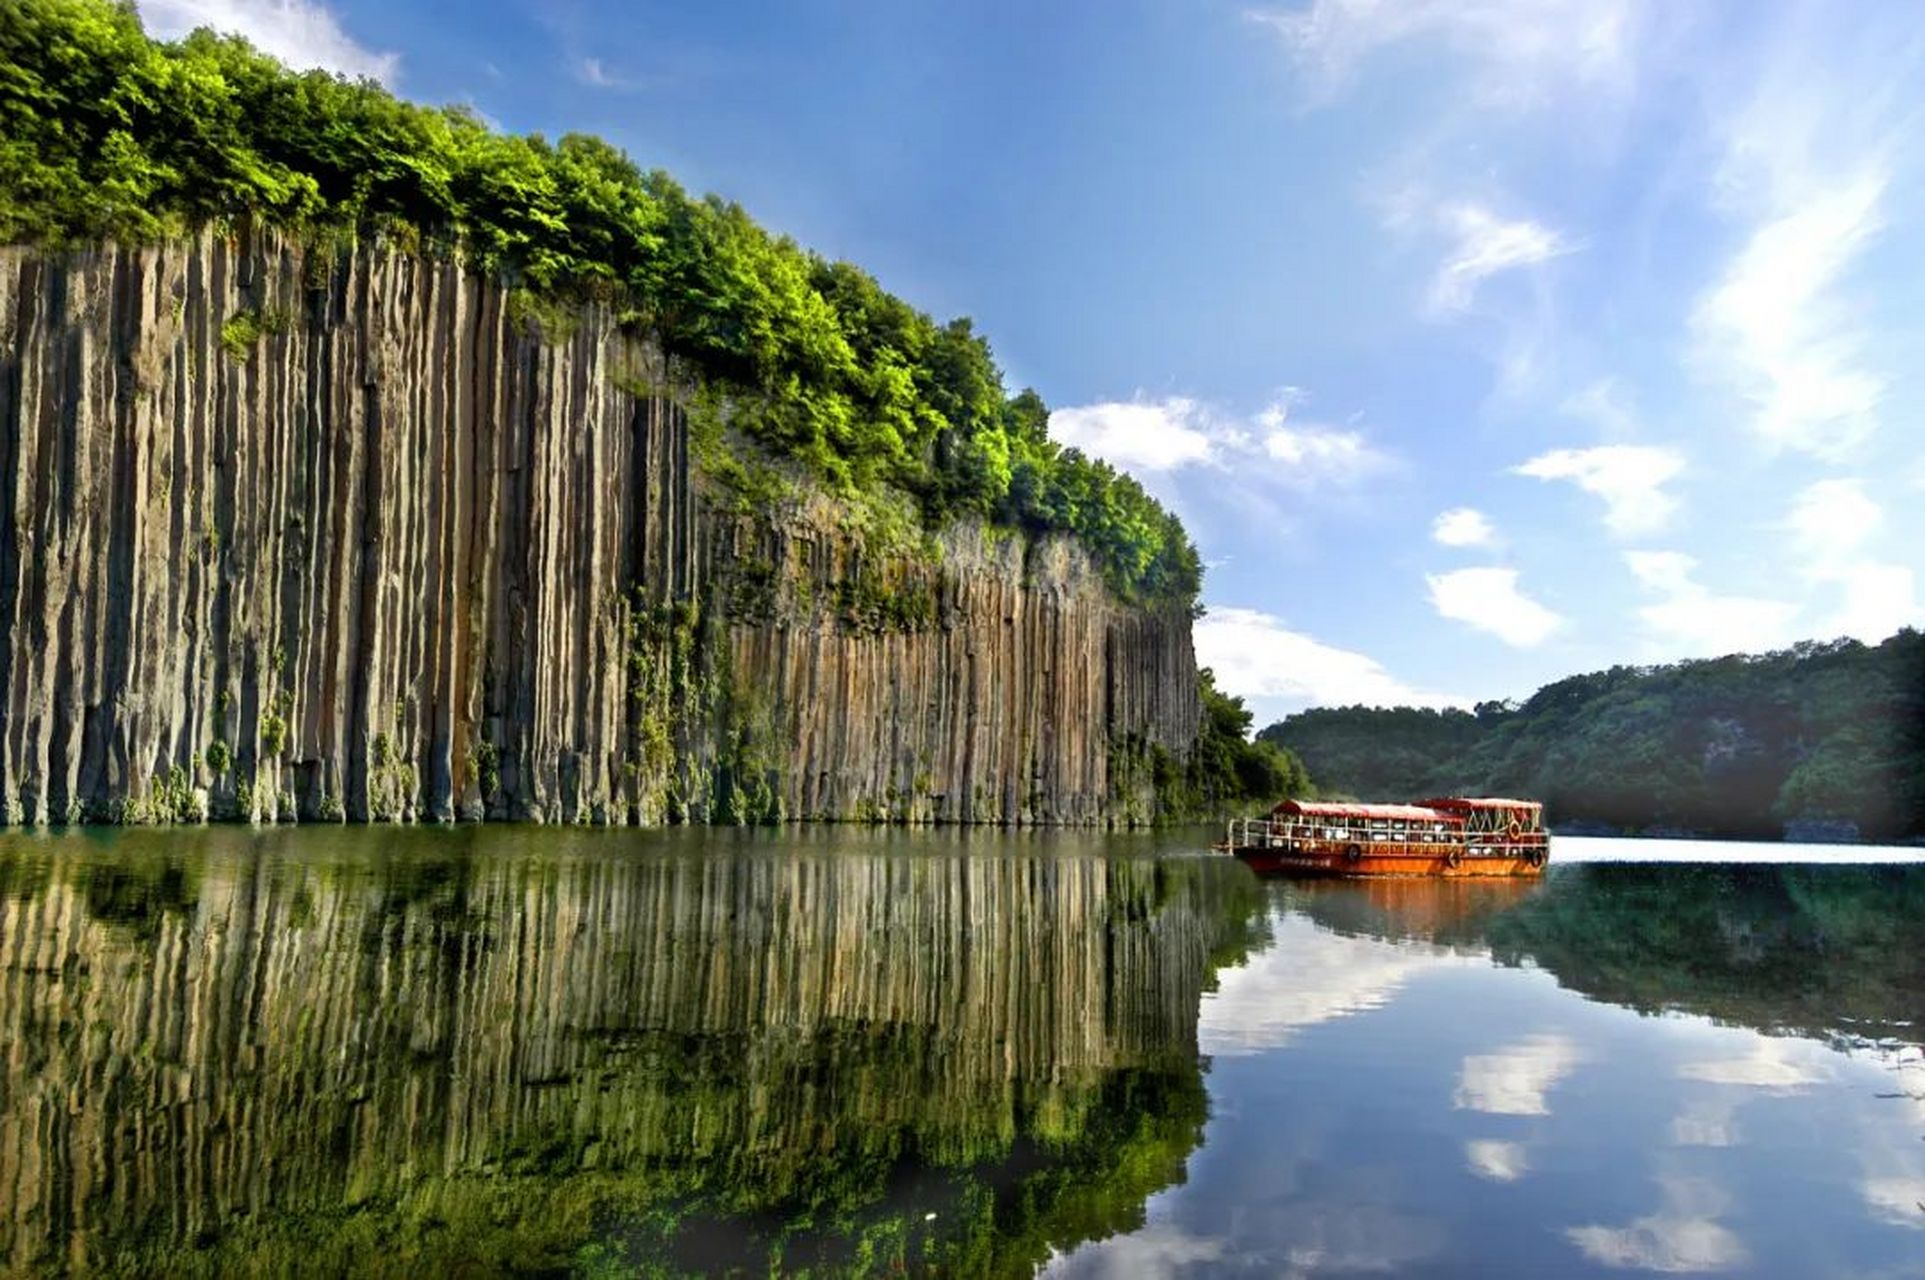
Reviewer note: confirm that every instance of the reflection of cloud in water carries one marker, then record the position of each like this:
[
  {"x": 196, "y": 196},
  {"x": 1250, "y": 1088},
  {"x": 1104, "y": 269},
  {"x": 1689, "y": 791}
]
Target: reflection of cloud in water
[
  {"x": 1891, "y": 1157},
  {"x": 1498, "y": 1161},
  {"x": 1153, "y": 1252},
  {"x": 1899, "y": 1200},
  {"x": 1776, "y": 1066},
  {"x": 1329, "y": 1238},
  {"x": 1892, "y": 1162},
  {"x": 1514, "y": 1080},
  {"x": 1683, "y": 1236},
  {"x": 1309, "y": 976},
  {"x": 1296, "y": 1238},
  {"x": 1706, "y": 1123}
]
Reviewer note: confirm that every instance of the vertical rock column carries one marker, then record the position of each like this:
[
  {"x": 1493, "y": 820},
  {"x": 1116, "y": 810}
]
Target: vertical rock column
[{"x": 339, "y": 534}]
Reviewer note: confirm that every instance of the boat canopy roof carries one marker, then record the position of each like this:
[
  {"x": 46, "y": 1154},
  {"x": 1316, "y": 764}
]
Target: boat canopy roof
[
  {"x": 1330, "y": 809},
  {"x": 1478, "y": 802}
]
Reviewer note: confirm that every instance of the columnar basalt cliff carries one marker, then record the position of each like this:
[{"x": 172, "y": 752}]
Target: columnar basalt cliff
[{"x": 347, "y": 533}]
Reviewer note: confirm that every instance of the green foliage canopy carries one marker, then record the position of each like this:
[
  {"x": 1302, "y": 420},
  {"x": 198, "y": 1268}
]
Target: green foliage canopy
[
  {"x": 111, "y": 135},
  {"x": 1227, "y": 772}
]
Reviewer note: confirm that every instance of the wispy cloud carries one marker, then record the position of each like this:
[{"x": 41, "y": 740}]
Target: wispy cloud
[
  {"x": 1489, "y": 600},
  {"x": 597, "y": 74},
  {"x": 1463, "y": 527},
  {"x": 1485, "y": 244},
  {"x": 1515, "y": 48},
  {"x": 1830, "y": 525},
  {"x": 1687, "y": 620},
  {"x": 298, "y": 32},
  {"x": 1808, "y": 153},
  {"x": 1629, "y": 478},
  {"x": 1774, "y": 330},
  {"x": 1604, "y": 404},
  {"x": 1255, "y": 655}
]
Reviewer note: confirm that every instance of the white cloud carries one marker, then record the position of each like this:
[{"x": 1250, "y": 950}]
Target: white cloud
[
  {"x": 1463, "y": 527},
  {"x": 1140, "y": 435},
  {"x": 1168, "y": 435},
  {"x": 1489, "y": 600},
  {"x": 1689, "y": 621},
  {"x": 1323, "y": 453},
  {"x": 1773, "y": 331},
  {"x": 1831, "y": 519},
  {"x": 1521, "y": 48},
  {"x": 1875, "y": 600},
  {"x": 1630, "y": 478},
  {"x": 1514, "y": 1080},
  {"x": 1830, "y": 524},
  {"x": 298, "y": 32},
  {"x": 1254, "y": 655},
  {"x": 1483, "y": 245},
  {"x": 1809, "y": 154},
  {"x": 1498, "y": 1161}
]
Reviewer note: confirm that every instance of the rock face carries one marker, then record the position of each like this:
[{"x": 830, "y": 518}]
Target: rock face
[{"x": 345, "y": 534}]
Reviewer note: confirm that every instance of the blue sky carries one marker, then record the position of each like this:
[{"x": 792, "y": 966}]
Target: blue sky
[{"x": 1478, "y": 342}]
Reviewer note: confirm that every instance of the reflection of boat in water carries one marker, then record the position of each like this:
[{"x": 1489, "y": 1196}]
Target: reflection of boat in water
[
  {"x": 1447, "y": 836},
  {"x": 1449, "y": 912}
]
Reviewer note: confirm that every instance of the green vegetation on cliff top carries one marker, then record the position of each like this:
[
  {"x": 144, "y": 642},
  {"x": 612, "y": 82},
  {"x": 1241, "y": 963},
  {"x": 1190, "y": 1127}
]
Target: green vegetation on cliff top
[
  {"x": 112, "y": 135},
  {"x": 1828, "y": 733}
]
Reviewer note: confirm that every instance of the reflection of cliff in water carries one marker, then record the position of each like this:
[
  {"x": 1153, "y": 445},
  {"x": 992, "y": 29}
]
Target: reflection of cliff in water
[
  {"x": 1832, "y": 952},
  {"x": 460, "y": 1051}
]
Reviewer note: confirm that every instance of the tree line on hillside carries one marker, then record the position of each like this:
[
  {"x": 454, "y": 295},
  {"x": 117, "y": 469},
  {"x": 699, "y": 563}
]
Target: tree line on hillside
[
  {"x": 1228, "y": 771},
  {"x": 112, "y": 135},
  {"x": 1823, "y": 736}
]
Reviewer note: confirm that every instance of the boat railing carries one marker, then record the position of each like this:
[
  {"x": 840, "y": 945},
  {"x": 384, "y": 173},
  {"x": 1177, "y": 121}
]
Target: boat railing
[{"x": 1274, "y": 833}]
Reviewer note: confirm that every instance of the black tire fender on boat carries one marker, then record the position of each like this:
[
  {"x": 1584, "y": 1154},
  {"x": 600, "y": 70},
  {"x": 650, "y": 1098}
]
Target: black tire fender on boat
[
  {"x": 1354, "y": 852},
  {"x": 1455, "y": 858},
  {"x": 1535, "y": 857}
]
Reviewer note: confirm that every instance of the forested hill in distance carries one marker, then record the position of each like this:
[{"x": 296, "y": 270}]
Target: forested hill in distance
[{"x": 1822, "y": 739}]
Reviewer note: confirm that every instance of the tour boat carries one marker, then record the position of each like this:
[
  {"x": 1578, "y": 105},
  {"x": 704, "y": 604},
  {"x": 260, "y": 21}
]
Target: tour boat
[{"x": 1443, "y": 836}]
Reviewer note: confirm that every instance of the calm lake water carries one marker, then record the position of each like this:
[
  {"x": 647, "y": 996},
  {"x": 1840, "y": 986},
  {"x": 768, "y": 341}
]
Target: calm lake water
[{"x": 489, "y": 1050}]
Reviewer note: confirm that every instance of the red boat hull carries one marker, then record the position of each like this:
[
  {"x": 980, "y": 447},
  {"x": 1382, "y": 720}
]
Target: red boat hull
[{"x": 1403, "y": 861}]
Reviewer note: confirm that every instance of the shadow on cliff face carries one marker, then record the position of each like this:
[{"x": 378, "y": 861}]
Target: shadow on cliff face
[{"x": 498, "y": 1050}]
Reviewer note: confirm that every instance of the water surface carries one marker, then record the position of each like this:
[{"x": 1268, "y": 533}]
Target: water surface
[{"x": 495, "y": 1050}]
